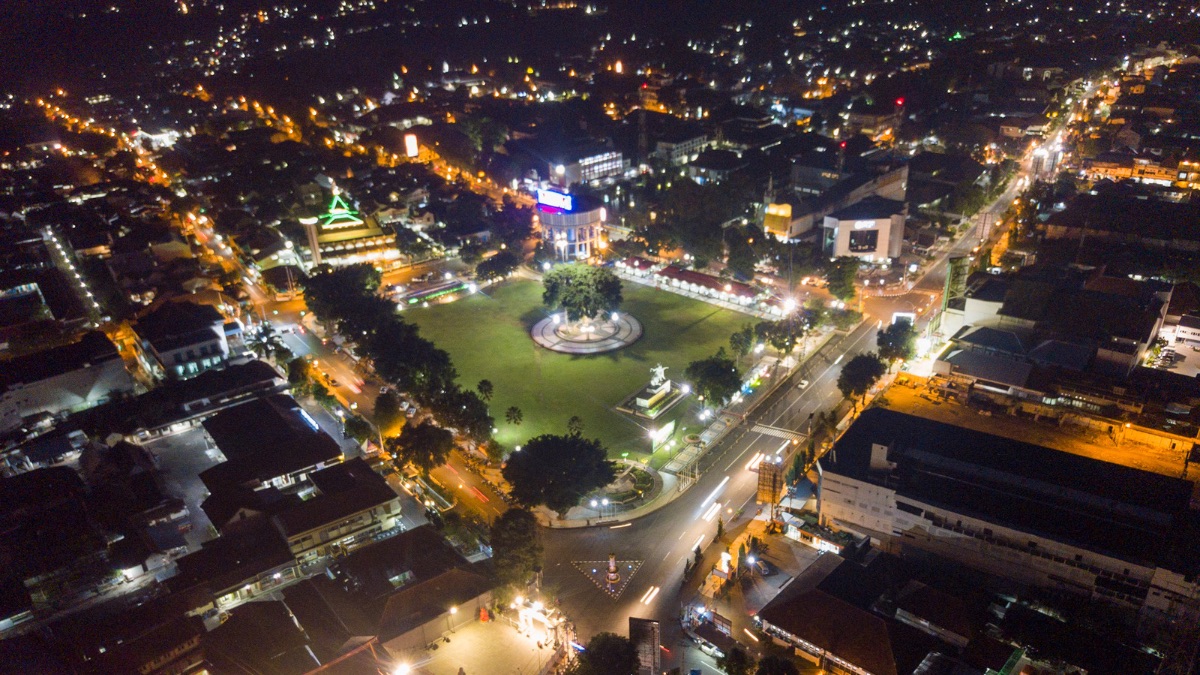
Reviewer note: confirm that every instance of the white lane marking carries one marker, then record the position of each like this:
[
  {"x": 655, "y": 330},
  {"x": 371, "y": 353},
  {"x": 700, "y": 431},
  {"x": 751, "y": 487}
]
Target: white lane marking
[{"x": 698, "y": 542}]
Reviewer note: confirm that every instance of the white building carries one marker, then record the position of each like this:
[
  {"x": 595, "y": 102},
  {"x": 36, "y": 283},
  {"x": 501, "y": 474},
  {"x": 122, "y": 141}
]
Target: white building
[
  {"x": 1015, "y": 510},
  {"x": 570, "y": 224},
  {"x": 872, "y": 229},
  {"x": 183, "y": 339},
  {"x": 584, "y": 165}
]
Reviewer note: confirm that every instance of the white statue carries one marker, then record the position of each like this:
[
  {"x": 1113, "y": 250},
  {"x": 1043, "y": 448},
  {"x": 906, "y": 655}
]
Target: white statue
[{"x": 660, "y": 375}]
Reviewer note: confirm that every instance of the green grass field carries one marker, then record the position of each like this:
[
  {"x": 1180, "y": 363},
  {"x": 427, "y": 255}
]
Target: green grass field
[{"x": 487, "y": 335}]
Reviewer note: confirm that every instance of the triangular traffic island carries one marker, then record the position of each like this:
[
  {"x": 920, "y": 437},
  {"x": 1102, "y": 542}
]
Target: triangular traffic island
[{"x": 611, "y": 576}]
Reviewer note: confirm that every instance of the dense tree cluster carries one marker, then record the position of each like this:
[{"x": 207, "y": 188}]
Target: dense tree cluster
[
  {"x": 558, "y": 471},
  {"x": 582, "y": 291},
  {"x": 606, "y": 654},
  {"x": 424, "y": 445},
  {"x": 516, "y": 549},
  {"x": 497, "y": 266},
  {"x": 715, "y": 378},
  {"x": 897, "y": 342},
  {"x": 859, "y": 375},
  {"x": 842, "y": 274},
  {"x": 346, "y": 298}
]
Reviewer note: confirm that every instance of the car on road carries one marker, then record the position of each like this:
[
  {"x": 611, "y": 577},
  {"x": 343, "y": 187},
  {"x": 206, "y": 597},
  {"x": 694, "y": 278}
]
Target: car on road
[
  {"x": 802, "y": 384},
  {"x": 763, "y": 568},
  {"x": 334, "y": 383}
]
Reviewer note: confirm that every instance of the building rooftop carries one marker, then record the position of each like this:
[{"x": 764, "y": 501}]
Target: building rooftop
[
  {"x": 1108, "y": 508},
  {"x": 990, "y": 339},
  {"x": 176, "y": 324},
  {"x": 228, "y": 561},
  {"x": 829, "y": 606},
  {"x": 418, "y": 604},
  {"x": 264, "y": 439},
  {"x": 870, "y": 208},
  {"x": 93, "y": 348},
  {"x": 345, "y": 489}
]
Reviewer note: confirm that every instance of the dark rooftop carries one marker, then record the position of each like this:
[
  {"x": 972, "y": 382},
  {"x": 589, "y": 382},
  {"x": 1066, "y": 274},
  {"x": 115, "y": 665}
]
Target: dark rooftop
[
  {"x": 176, "y": 323},
  {"x": 1133, "y": 514},
  {"x": 345, "y": 489},
  {"x": 264, "y": 439},
  {"x": 227, "y": 561},
  {"x": 93, "y": 348},
  {"x": 418, "y": 604},
  {"x": 871, "y": 208}
]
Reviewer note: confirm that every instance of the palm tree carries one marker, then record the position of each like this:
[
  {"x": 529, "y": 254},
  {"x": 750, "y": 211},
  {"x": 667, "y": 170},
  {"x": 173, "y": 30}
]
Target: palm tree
[
  {"x": 268, "y": 343},
  {"x": 485, "y": 389},
  {"x": 575, "y": 425},
  {"x": 513, "y": 416}
]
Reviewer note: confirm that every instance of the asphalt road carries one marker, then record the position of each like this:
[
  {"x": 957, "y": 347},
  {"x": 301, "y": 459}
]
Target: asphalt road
[{"x": 663, "y": 540}]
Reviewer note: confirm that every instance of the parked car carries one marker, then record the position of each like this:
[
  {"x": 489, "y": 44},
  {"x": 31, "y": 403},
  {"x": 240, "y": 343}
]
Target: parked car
[{"x": 803, "y": 384}]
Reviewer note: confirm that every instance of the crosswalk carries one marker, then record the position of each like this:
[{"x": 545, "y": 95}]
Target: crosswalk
[{"x": 777, "y": 432}]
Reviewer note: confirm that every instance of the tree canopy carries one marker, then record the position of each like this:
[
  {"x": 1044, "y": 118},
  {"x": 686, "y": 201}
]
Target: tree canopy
[
  {"x": 860, "y": 374},
  {"x": 776, "y": 665},
  {"x": 582, "y": 291},
  {"x": 897, "y": 342},
  {"x": 715, "y": 378},
  {"x": 607, "y": 654},
  {"x": 558, "y": 471},
  {"x": 842, "y": 274},
  {"x": 736, "y": 662},
  {"x": 426, "y": 446},
  {"x": 516, "y": 548},
  {"x": 497, "y": 266}
]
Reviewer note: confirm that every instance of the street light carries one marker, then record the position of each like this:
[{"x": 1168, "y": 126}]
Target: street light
[
  {"x": 453, "y": 611},
  {"x": 402, "y": 669}
]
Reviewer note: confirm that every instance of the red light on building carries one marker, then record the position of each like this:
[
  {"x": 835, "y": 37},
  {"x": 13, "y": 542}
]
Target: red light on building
[{"x": 899, "y": 102}]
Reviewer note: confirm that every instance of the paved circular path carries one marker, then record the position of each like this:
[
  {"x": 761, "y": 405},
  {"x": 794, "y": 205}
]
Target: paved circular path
[{"x": 595, "y": 338}]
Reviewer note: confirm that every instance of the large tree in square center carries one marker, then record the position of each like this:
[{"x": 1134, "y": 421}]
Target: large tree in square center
[{"x": 581, "y": 291}]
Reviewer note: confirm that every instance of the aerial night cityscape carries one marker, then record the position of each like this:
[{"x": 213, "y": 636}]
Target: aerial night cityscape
[{"x": 599, "y": 337}]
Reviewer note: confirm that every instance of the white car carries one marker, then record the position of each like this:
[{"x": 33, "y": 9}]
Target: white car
[{"x": 803, "y": 384}]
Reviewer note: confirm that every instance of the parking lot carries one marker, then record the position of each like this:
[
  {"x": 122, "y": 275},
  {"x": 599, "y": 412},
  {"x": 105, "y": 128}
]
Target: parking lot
[
  {"x": 181, "y": 458},
  {"x": 1182, "y": 358}
]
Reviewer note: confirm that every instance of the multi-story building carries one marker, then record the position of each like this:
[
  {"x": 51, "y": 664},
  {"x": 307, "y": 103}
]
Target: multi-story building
[
  {"x": 1015, "y": 510},
  {"x": 587, "y": 163},
  {"x": 347, "y": 506},
  {"x": 681, "y": 146},
  {"x": 268, "y": 443},
  {"x": 343, "y": 236},
  {"x": 872, "y": 229},
  {"x": 63, "y": 379},
  {"x": 182, "y": 339},
  {"x": 573, "y": 225}
]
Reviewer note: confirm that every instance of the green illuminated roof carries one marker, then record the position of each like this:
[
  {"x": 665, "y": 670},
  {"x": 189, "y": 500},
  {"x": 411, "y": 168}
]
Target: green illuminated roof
[{"x": 339, "y": 214}]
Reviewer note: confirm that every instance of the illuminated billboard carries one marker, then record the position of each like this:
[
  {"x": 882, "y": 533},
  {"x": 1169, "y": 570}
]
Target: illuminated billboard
[
  {"x": 411, "y": 149},
  {"x": 554, "y": 199}
]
